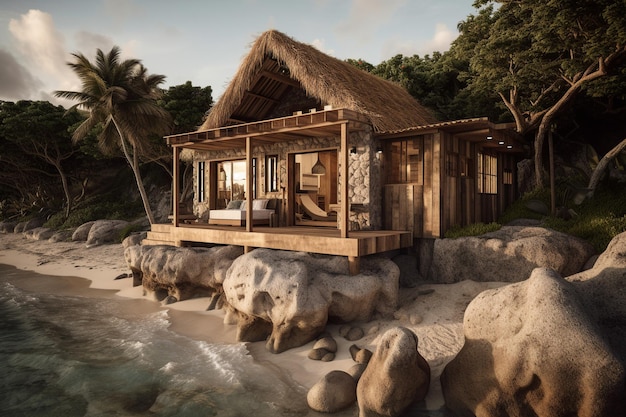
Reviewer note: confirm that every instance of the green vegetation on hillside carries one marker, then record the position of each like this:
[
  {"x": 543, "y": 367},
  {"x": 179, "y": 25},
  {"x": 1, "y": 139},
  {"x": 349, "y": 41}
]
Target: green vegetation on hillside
[{"x": 597, "y": 220}]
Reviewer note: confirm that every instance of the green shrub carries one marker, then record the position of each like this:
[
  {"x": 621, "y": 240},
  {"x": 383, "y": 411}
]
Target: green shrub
[
  {"x": 128, "y": 230},
  {"x": 96, "y": 210},
  {"x": 475, "y": 229}
]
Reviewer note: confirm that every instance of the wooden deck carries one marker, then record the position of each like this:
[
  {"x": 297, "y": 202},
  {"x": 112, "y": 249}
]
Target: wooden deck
[{"x": 297, "y": 238}]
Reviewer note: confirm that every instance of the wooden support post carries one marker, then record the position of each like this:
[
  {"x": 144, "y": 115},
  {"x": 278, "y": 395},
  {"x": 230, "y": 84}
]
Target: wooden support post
[
  {"x": 249, "y": 199},
  {"x": 345, "y": 199},
  {"x": 354, "y": 265},
  {"x": 175, "y": 185}
]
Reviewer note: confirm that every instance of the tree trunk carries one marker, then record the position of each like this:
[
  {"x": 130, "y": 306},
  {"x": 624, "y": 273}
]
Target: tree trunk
[
  {"x": 133, "y": 161},
  {"x": 142, "y": 189},
  {"x": 66, "y": 189},
  {"x": 602, "y": 165}
]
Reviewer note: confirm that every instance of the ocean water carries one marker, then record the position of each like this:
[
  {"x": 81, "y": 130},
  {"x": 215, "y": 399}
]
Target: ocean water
[
  {"x": 90, "y": 353},
  {"x": 76, "y": 355}
]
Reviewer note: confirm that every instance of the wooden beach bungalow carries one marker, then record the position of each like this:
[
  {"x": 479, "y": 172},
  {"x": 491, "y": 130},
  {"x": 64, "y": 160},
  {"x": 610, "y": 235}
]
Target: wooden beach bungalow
[{"x": 307, "y": 152}]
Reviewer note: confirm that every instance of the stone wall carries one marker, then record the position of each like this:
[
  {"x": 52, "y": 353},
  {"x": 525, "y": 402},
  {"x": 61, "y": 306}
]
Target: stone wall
[{"x": 365, "y": 190}]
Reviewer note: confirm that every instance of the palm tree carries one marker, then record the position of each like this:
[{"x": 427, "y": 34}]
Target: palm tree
[{"x": 122, "y": 97}]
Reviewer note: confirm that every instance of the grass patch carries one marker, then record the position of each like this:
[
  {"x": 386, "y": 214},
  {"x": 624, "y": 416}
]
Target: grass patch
[
  {"x": 475, "y": 229},
  {"x": 598, "y": 219},
  {"x": 97, "y": 209}
]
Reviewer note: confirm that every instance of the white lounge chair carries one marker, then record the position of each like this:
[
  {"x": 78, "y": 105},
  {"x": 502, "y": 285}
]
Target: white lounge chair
[{"x": 314, "y": 211}]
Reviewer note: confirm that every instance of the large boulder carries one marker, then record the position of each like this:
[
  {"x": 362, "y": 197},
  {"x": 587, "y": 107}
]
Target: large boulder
[
  {"x": 182, "y": 273},
  {"x": 39, "y": 233},
  {"x": 532, "y": 350},
  {"x": 333, "y": 392},
  {"x": 105, "y": 231},
  {"x": 603, "y": 291},
  {"x": 396, "y": 376},
  {"x": 82, "y": 232},
  {"x": 24, "y": 226},
  {"x": 7, "y": 226},
  {"x": 296, "y": 293},
  {"x": 509, "y": 255}
]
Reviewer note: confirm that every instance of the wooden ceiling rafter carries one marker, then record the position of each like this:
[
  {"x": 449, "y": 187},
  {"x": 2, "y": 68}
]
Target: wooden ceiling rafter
[{"x": 324, "y": 123}]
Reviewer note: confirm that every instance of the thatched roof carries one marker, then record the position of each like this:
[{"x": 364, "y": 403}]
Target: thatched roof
[{"x": 276, "y": 64}]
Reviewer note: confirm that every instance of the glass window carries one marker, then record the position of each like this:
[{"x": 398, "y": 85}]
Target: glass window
[
  {"x": 403, "y": 162},
  {"x": 487, "y": 174},
  {"x": 201, "y": 181},
  {"x": 271, "y": 173},
  {"x": 231, "y": 180}
]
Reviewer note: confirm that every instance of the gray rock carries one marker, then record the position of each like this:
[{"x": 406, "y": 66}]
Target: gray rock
[
  {"x": 603, "y": 292},
  {"x": 396, "y": 376},
  {"x": 356, "y": 370},
  {"x": 355, "y": 333},
  {"x": 105, "y": 231},
  {"x": 82, "y": 232},
  {"x": 297, "y": 292},
  {"x": 317, "y": 354},
  {"x": 170, "y": 299},
  {"x": 25, "y": 226},
  {"x": 19, "y": 227},
  {"x": 134, "y": 239},
  {"x": 38, "y": 233},
  {"x": 7, "y": 227},
  {"x": 327, "y": 343},
  {"x": 532, "y": 350},
  {"x": 334, "y": 392},
  {"x": 184, "y": 273},
  {"x": 360, "y": 355},
  {"x": 61, "y": 236},
  {"x": 507, "y": 255}
]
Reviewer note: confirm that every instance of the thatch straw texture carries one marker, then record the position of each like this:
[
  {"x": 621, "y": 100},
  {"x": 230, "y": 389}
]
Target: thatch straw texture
[{"x": 332, "y": 81}]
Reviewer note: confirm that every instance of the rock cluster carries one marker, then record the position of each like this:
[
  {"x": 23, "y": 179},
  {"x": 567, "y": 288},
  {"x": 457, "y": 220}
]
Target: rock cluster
[
  {"x": 384, "y": 383},
  {"x": 181, "y": 273},
  {"x": 288, "y": 297},
  {"x": 509, "y": 255},
  {"x": 94, "y": 233}
]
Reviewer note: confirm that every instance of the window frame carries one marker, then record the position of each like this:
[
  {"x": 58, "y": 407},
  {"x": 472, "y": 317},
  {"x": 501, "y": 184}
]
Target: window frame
[{"x": 487, "y": 173}]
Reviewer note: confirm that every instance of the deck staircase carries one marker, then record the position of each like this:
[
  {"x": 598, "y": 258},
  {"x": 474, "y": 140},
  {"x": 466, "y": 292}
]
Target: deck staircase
[{"x": 159, "y": 234}]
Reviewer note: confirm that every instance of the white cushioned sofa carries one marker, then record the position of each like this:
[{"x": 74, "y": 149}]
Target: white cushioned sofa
[{"x": 235, "y": 213}]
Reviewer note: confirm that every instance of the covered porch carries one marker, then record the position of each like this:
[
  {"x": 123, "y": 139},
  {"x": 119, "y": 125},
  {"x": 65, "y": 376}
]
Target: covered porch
[{"x": 287, "y": 234}]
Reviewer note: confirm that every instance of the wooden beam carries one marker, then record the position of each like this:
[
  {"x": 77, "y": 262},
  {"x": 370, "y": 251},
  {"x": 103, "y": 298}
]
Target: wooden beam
[
  {"x": 249, "y": 199},
  {"x": 354, "y": 265},
  {"x": 260, "y": 97},
  {"x": 281, "y": 78},
  {"x": 345, "y": 201},
  {"x": 175, "y": 185}
]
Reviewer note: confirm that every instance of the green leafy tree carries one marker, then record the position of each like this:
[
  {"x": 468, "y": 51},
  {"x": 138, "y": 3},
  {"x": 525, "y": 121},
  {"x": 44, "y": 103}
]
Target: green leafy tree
[
  {"x": 121, "y": 96},
  {"x": 188, "y": 105},
  {"x": 39, "y": 132},
  {"x": 361, "y": 64},
  {"x": 538, "y": 55}
]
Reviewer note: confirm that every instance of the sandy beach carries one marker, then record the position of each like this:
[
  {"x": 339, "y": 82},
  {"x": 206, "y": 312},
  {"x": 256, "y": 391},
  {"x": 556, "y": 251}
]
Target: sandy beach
[{"x": 433, "y": 311}]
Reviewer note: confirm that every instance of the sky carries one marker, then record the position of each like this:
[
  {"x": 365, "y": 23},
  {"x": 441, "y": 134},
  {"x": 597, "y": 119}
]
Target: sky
[{"x": 204, "y": 41}]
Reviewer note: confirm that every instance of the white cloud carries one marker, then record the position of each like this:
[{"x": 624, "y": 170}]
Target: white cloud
[
  {"x": 42, "y": 48},
  {"x": 440, "y": 41},
  {"x": 366, "y": 16},
  {"x": 39, "y": 41},
  {"x": 319, "y": 45}
]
